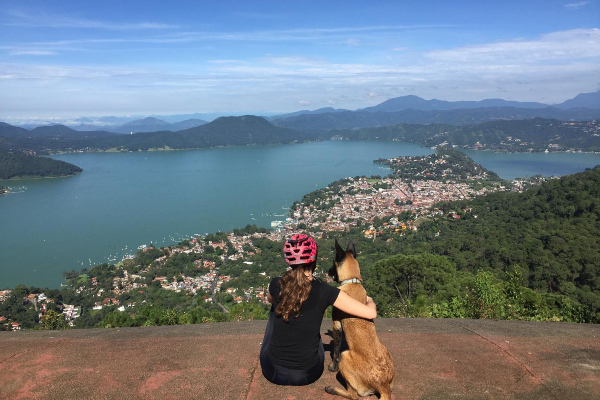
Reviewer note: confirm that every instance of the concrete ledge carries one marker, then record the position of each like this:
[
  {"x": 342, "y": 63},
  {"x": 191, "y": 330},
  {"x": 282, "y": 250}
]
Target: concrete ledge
[{"x": 435, "y": 359}]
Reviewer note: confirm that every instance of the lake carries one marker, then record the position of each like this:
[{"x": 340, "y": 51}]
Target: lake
[{"x": 123, "y": 200}]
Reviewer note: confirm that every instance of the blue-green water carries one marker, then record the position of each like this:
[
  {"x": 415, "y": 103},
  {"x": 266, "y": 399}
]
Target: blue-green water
[
  {"x": 520, "y": 165},
  {"x": 131, "y": 199},
  {"x": 124, "y": 200}
]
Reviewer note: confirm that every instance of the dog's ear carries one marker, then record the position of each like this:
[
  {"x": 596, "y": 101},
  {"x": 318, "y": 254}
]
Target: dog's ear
[
  {"x": 333, "y": 273},
  {"x": 352, "y": 249},
  {"x": 340, "y": 254}
]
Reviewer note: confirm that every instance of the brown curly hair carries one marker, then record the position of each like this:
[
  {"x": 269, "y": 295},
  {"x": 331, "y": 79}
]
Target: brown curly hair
[{"x": 294, "y": 290}]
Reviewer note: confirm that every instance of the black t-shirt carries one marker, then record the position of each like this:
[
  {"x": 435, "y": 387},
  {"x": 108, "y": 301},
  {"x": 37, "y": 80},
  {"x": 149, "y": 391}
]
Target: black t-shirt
[{"x": 295, "y": 344}]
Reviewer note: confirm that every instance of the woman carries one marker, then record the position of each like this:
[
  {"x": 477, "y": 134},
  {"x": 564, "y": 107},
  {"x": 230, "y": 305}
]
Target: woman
[{"x": 292, "y": 352}]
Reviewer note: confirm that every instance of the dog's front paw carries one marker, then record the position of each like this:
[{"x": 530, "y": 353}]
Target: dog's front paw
[
  {"x": 333, "y": 367},
  {"x": 329, "y": 390}
]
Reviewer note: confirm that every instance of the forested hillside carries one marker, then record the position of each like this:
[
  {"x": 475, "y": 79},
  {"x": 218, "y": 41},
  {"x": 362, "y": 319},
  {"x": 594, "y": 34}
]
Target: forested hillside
[
  {"x": 549, "y": 235},
  {"x": 521, "y": 135},
  {"x": 520, "y": 256},
  {"x": 224, "y": 131},
  {"x": 365, "y": 119},
  {"x": 23, "y": 165}
]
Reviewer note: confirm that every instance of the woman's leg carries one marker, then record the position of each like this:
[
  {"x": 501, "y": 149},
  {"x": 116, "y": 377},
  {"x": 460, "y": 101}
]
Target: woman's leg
[
  {"x": 285, "y": 376},
  {"x": 268, "y": 334},
  {"x": 267, "y": 366},
  {"x": 314, "y": 373}
]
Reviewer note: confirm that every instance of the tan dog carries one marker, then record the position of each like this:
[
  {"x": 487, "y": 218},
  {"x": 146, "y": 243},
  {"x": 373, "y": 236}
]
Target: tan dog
[{"x": 367, "y": 366}]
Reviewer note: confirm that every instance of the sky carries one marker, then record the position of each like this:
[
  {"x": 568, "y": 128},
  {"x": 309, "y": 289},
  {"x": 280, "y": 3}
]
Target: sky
[{"x": 65, "y": 58}]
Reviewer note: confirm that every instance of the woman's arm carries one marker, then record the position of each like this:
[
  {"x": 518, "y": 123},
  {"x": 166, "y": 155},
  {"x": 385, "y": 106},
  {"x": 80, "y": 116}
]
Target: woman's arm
[
  {"x": 269, "y": 298},
  {"x": 354, "y": 307}
]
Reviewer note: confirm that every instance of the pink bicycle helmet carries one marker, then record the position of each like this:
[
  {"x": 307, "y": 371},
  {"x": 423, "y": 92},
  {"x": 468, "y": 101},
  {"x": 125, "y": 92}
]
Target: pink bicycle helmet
[{"x": 300, "y": 249}]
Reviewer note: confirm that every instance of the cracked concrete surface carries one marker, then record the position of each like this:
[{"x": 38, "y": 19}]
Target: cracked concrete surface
[{"x": 435, "y": 359}]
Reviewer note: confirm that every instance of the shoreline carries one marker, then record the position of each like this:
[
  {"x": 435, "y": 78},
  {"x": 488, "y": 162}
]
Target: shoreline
[
  {"x": 116, "y": 151},
  {"x": 502, "y": 151},
  {"x": 288, "y": 210},
  {"x": 37, "y": 177}
]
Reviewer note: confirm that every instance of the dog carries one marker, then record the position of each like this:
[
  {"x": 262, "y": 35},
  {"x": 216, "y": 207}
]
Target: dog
[{"x": 367, "y": 366}]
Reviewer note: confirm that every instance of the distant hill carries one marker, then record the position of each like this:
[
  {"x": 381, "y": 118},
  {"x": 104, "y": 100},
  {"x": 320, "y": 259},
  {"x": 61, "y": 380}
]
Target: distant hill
[
  {"x": 317, "y": 111},
  {"x": 586, "y": 100},
  {"x": 85, "y": 127},
  {"x": 243, "y": 130},
  {"x": 518, "y": 135},
  {"x": 538, "y": 134},
  {"x": 26, "y": 166},
  {"x": 53, "y": 130},
  {"x": 583, "y": 100},
  {"x": 148, "y": 121},
  {"x": 362, "y": 119},
  {"x": 224, "y": 131},
  {"x": 149, "y": 124},
  {"x": 187, "y": 124},
  {"x": 49, "y": 131},
  {"x": 8, "y": 130},
  {"x": 417, "y": 103},
  {"x": 412, "y": 102}
]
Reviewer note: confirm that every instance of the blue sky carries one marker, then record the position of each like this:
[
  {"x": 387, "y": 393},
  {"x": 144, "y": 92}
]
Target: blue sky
[{"x": 66, "y": 58}]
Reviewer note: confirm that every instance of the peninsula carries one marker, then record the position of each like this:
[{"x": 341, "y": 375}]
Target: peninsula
[{"x": 28, "y": 166}]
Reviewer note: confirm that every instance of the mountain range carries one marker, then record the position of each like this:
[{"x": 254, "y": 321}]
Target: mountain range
[
  {"x": 224, "y": 131},
  {"x": 364, "y": 119},
  {"x": 412, "y": 102},
  {"x": 151, "y": 132},
  {"x": 416, "y": 110},
  {"x": 537, "y": 134},
  {"x": 153, "y": 123},
  {"x": 583, "y": 100},
  {"x": 148, "y": 124}
]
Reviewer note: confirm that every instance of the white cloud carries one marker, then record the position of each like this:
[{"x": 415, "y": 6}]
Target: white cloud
[
  {"x": 332, "y": 35},
  {"x": 562, "y": 45},
  {"x": 550, "y": 68},
  {"x": 31, "y": 53},
  {"x": 44, "y": 20},
  {"x": 574, "y": 6}
]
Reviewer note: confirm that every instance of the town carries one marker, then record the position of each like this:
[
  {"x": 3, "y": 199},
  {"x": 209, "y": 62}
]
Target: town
[{"x": 220, "y": 270}]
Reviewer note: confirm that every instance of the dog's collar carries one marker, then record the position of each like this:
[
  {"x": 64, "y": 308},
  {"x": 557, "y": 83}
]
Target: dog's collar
[{"x": 347, "y": 281}]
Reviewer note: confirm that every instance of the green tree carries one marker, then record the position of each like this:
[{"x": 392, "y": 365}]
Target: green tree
[{"x": 53, "y": 321}]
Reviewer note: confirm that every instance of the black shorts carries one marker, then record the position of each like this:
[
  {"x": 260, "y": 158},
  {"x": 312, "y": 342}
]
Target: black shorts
[{"x": 286, "y": 376}]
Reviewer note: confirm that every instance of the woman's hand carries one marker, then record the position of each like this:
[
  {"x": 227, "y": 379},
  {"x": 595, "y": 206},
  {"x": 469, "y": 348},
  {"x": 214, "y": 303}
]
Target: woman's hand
[{"x": 354, "y": 307}]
